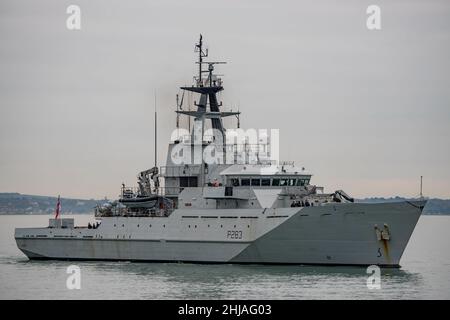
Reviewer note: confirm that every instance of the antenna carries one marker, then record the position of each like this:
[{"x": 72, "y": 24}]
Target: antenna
[
  {"x": 189, "y": 109},
  {"x": 201, "y": 54},
  {"x": 238, "y": 118},
  {"x": 178, "y": 115},
  {"x": 156, "y": 133},
  {"x": 421, "y": 184}
]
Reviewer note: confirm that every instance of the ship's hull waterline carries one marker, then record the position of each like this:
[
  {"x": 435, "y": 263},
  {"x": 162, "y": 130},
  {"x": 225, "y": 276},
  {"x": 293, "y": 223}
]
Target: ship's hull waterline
[{"x": 338, "y": 234}]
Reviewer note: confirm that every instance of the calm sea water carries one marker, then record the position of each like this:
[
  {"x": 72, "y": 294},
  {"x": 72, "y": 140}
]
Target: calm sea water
[{"x": 425, "y": 274}]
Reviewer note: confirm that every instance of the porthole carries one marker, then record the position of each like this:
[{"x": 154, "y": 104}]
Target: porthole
[
  {"x": 208, "y": 225},
  {"x": 164, "y": 225},
  {"x": 235, "y": 226},
  {"x": 138, "y": 226},
  {"x": 189, "y": 226},
  {"x": 221, "y": 226},
  {"x": 114, "y": 225},
  {"x": 195, "y": 226}
]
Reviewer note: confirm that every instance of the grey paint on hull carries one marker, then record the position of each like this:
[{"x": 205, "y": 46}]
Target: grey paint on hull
[
  {"x": 136, "y": 250},
  {"x": 332, "y": 234},
  {"x": 341, "y": 234}
]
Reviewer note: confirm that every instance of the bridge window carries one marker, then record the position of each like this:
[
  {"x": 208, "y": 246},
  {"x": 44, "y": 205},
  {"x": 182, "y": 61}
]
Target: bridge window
[
  {"x": 284, "y": 182},
  {"x": 245, "y": 182},
  {"x": 265, "y": 182},
  {"x": 275, "y": 182},
  {"x": 186, "y": 182},
  {"x": 302, "y": 182},
  {"x": 235, "y": 182},
  {"x": 256, "y": 182},
  {"x": 292, "y": 182}
]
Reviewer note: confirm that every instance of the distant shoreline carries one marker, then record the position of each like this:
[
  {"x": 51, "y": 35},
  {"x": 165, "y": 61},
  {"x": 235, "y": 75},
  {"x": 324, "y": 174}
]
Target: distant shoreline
[
  {"x": 43, "y": 214},
  {"x": 92, "y": 213},
  {"x": 23, "y": 204}
]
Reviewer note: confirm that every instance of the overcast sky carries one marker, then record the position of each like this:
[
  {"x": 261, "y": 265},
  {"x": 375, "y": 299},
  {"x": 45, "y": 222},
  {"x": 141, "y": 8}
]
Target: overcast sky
[{"x": 365, "y": 111}]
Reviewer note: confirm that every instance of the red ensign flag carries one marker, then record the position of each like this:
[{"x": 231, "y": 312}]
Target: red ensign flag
[{"x": 58, "y": 208}]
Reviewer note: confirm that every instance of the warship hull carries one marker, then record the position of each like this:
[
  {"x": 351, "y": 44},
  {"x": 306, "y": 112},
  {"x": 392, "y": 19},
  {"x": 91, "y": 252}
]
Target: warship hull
[{"x": 335, "y": 234}]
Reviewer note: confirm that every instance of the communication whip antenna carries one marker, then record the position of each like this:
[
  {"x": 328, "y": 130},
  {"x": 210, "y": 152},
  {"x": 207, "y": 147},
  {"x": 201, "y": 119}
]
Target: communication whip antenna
[
  {"x": 421, "y": 184},
  {"x": 156, "y": 133}
]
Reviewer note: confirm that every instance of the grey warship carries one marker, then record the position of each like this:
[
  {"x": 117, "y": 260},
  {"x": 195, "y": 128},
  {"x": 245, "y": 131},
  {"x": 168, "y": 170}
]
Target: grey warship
[{"x": 240, "y": 207}]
